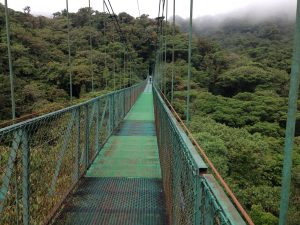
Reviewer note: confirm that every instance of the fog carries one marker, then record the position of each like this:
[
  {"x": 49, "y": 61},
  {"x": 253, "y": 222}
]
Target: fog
[
  {"x": 252, "y": 14},
  {"x": 150, "y": 7}
]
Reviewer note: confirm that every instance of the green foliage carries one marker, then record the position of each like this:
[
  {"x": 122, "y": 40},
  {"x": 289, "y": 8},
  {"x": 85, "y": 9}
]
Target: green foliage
[
  {"x": 249, "y": 162},
  {"x": 238, "y": 98},
  {"x": 248, "y": 78},
  {"x": 40, "y": 56},
  {"x": 267, "y": 42},
  {"x": 242, "y": 79},
  {"x": 238, "y": 110},
  {"x": 262, "y": 218},
  {"x": 215, "y": 149}
]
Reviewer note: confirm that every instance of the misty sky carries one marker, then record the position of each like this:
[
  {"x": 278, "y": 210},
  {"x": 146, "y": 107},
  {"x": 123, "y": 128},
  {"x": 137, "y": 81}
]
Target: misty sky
[{"x": 150, "y": 7}]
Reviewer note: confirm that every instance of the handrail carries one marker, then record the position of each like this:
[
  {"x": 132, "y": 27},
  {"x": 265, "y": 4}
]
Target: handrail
[
  {"x": 63, "y": 110},
  {"x": 53, "y": 151},
  {"x": 202, "y": 152}
]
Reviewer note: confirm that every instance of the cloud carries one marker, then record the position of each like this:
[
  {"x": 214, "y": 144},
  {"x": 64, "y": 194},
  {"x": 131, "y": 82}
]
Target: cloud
[
  {"x": 150, "y": 7},
  {"x": 251, "y": 14}
]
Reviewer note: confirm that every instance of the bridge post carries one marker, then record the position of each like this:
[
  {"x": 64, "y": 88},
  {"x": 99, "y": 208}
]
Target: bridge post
[
  {"x": 124, "y": 103},
  {"x": 113, "y": 112},
  {"x": 87, "y": 136},
  {"x": 109, "y": 116},
  {"x": 77, "y": 166},
  {"x": 130, "y": 90},
  {"x": 25, "y": 159},
  {"x": 97, "y": 127}
]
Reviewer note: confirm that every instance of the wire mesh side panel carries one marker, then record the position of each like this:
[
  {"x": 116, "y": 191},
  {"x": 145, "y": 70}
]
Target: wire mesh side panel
[
  {"x": 211, "y": 212},
  {"x": 40, "y": 154},
  {"x": 178, "y": 171},
  {"x": 41, "y": 160},
  {"x": 192, "y": 197},
  {"x": 9, "y": 177},
  {"x": 119, "y": 111}
]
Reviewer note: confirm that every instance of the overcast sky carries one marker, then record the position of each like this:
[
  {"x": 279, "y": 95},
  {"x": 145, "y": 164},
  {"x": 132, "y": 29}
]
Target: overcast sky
[{"x": 150, "y": 7}]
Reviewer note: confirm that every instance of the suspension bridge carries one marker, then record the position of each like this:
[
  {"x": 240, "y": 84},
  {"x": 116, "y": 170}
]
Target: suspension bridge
[{"x": 122, "y": 158}]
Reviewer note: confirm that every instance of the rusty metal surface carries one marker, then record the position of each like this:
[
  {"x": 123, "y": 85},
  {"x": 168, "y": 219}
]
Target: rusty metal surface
[{"x": 112, "y": 201}]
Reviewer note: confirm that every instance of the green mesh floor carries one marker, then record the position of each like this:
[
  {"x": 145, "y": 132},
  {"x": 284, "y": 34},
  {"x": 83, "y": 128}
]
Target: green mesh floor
[
  {"x": 123, "y": 185},
  {"x": 132, "y": 151},
  {"x": 143, "y": 108},
  {"x": 127, "y": 156}
]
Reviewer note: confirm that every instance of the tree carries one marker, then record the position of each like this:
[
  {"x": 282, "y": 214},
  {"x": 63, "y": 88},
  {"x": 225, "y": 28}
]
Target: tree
[
  {"x": 27, "y": 10},
  {"x": 57, "y": 14},
  {"x": 241, "y": 79}
]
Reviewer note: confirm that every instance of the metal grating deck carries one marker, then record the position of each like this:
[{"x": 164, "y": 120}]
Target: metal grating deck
[
  {"x": 123, "y": 186},
  {"x": 136, "y": 128},
  {"x": 112, "y": 201}
]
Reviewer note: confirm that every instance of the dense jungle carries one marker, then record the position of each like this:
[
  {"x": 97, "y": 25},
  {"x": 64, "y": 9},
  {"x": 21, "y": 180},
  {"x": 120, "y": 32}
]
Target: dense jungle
[{"x": 240, "y": 83}]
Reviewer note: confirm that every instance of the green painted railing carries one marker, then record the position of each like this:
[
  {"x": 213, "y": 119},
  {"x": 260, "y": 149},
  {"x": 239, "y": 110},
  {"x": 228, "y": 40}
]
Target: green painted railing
[
  {"x": 193, "y": 197},
  {"x": 42, "y": 159}
]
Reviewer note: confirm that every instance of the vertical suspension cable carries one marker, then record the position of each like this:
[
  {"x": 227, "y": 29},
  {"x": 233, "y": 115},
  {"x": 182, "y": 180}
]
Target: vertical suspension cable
[
  {"x": 116, "y": 25},
  {"x": 161, "y": 46},
  {"x": 290, "y": 124},
  {"x": 11, "y": 75},
  {"x": 130, "y": 72},
  {"x": 69, "y": 51},
  {"x": 189, "y": 64},
  {"x": 165, "y": 67},
  {"x": 173, "y": 53},
  {"x": 160, "y": 58},
  {"x": 105, "y": 51},
  {"x": 159, "y": 8},
  {"x": 160, "y": 54},
  {"x": 138, "y": 5},
  {"x": 156, "y": 73},
  {"x": 91, "y": 45},
  {"x": 124, "y": 68},
  {"x": 114, "y": 67}
]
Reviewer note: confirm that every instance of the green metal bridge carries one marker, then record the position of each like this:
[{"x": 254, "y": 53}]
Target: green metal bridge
[{"x": 121, "y": 158}]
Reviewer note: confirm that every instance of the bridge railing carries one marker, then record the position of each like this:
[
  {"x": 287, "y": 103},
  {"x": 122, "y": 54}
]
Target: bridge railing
[
  {"x": 42, "y": 159},
  {"x": 193, "y": 196}
]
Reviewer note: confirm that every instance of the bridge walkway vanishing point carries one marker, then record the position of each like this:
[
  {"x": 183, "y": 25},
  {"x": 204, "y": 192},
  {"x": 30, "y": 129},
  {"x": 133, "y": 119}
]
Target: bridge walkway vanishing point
[{"x": 123, "y": 185}]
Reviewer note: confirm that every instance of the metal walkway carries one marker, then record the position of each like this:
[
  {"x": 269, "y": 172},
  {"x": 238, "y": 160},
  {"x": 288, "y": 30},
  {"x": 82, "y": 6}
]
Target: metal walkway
[
  {"x": 123, "y": 185},
  {"x": 107, "y": 161}
]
